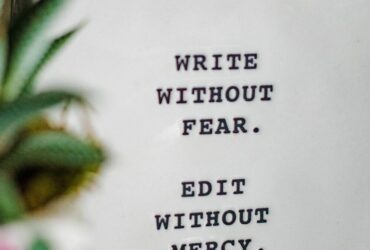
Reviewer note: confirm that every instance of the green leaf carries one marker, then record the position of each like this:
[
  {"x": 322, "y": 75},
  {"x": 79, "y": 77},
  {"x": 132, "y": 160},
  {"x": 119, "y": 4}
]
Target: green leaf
[
  {"x": 28, "y": 45},
  {"x": 11, "y": 206},
  {"x": 52, "y": 50},
  {"x": 40, "y": 244},
  {"x": 54, "y": 149},
  {"x": 16, "y": 113}
]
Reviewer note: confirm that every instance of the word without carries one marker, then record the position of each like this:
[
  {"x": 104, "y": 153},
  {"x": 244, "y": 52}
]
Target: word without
[
  {"x": 214, "y": 94},
  {"x": 211, "y": 218}
]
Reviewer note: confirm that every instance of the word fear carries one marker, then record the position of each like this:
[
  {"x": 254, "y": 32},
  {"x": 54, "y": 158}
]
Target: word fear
[
  {"x": 214, "y": 62},
  {"x": 213, "y": 245},
  {"x": 238, "y": 125}
]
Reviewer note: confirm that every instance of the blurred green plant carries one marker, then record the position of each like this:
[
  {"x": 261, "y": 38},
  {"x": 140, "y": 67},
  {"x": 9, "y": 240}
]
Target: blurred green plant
[
  {"x": 40, "y": 161},
  {"x": 39, "y": 244}
]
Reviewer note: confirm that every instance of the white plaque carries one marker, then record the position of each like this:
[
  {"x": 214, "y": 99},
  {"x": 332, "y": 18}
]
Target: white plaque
[{"x": 237, "y": 124}]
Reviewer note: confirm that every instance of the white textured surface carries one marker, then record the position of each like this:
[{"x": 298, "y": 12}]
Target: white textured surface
[{"x": 311, "y": 163}]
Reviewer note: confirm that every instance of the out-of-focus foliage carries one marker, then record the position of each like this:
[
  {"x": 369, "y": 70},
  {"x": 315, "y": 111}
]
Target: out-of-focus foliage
[
  {"x": 40, "y": 161},
  {"x": 39, "y": 244}
]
